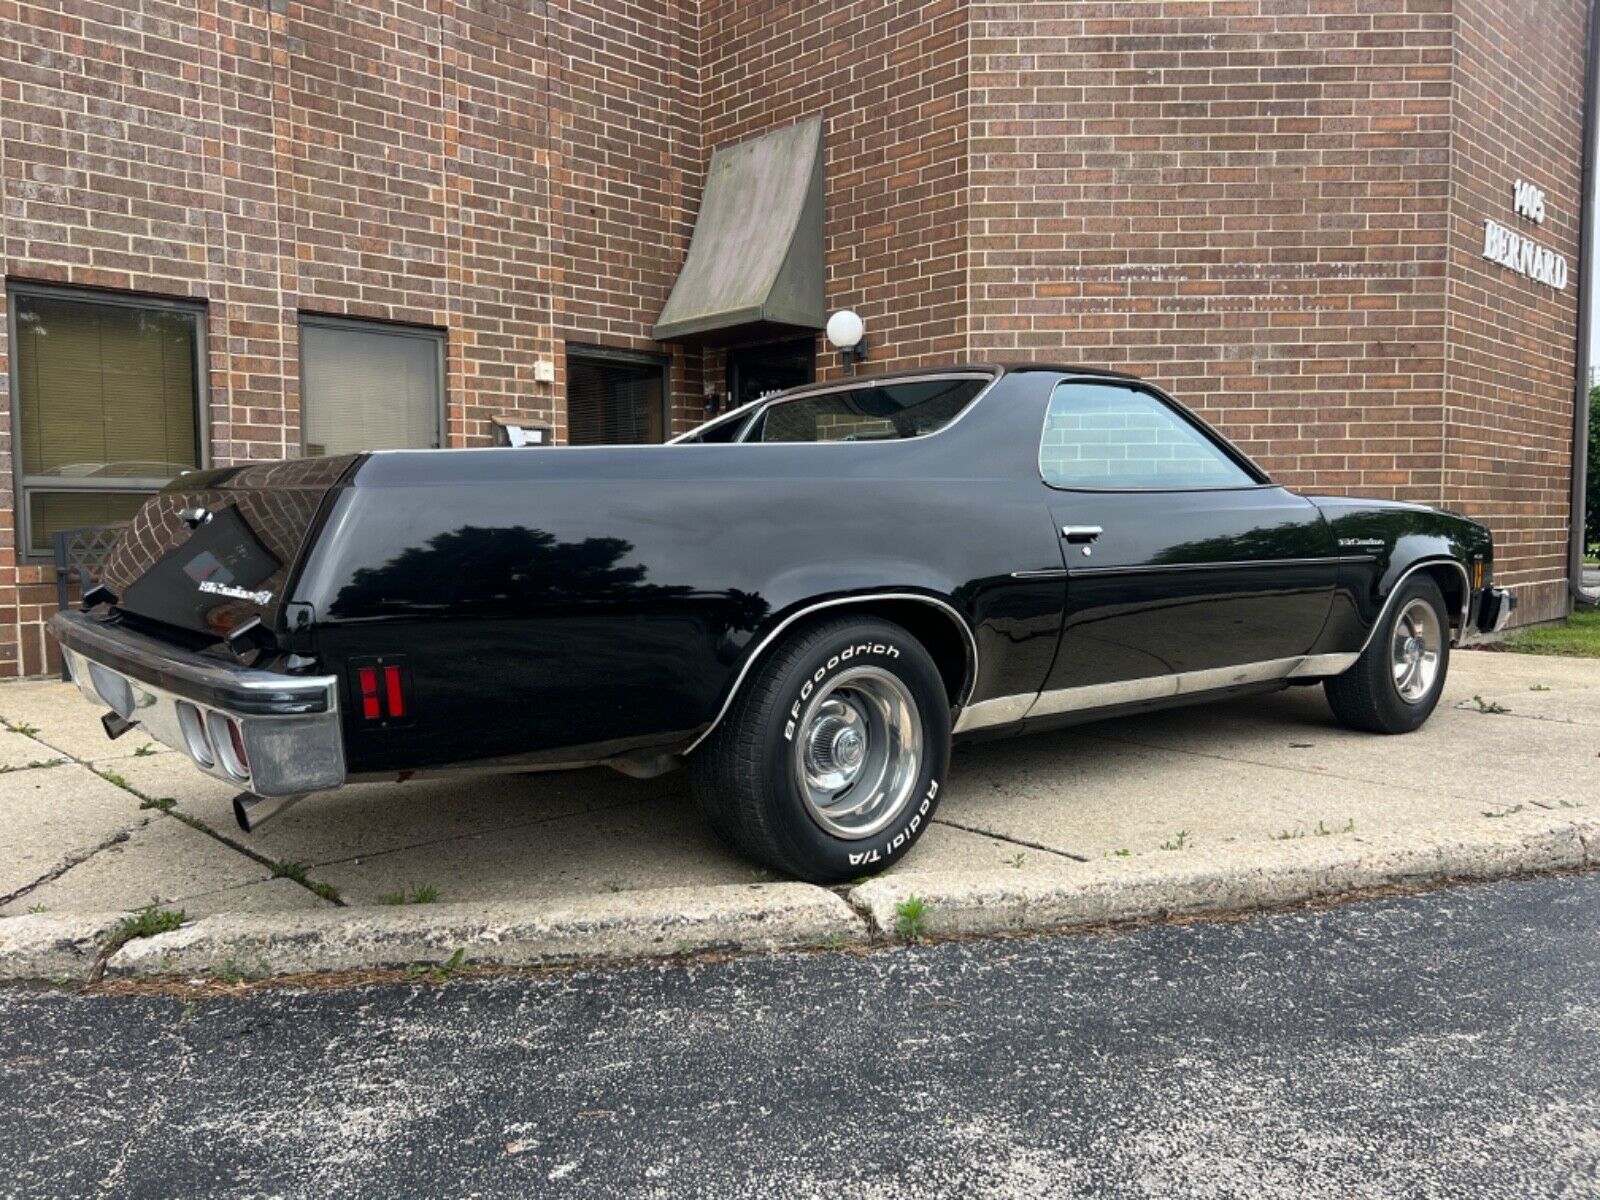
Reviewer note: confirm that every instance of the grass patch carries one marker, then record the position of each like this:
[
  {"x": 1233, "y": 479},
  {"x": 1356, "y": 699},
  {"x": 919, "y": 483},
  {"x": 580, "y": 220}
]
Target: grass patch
[
  {"x": 439, "y": 972},
  {"x": 327, "y": 891},
  {"x": 909, "y": 916},
  {"x": 147, "y": 922},
  {"x": 1181, "y": 842},
  {"x": 1578, "y": 636},
  {"x": 236, "y": 971},
  {"x": 426, "y": 894},
  {"x": 37, "y": 764},
  {"x": 284, "y": 869}
]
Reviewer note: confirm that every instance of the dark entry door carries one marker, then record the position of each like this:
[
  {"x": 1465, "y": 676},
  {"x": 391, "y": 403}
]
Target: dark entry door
[{"x": 757, "y": 371}]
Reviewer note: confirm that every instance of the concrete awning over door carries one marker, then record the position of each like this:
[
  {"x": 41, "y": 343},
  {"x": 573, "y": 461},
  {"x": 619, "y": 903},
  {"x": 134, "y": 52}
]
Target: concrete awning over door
[{"x": 755, "y": 260}]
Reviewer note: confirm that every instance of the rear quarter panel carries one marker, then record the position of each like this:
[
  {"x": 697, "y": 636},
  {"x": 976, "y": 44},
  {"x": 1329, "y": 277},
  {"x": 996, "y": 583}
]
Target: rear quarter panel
[{"x": 556, "y": 611}]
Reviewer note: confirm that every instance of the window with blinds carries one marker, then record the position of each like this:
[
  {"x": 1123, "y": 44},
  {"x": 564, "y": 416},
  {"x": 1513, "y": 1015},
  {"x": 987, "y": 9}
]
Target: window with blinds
[
  {"x": 369, "y": 386},
  {"x": 615, "y": 398},
  {"x": 107, "y": 407}
]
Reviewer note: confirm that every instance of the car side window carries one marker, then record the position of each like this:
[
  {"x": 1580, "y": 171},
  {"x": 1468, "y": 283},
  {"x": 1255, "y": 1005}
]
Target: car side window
[{"x": 1111, "y": 436}]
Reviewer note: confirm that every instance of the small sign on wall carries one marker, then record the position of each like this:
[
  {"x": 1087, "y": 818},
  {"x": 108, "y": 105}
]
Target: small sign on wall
[{"x": 1522, "y": 254}]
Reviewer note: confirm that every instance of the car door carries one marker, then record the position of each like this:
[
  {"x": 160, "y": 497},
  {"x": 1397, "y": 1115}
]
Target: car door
[{"x": 1186, "y": 568}]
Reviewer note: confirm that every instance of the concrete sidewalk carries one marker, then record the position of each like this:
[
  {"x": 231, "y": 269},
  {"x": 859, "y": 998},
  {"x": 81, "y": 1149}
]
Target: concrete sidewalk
[{"x": 97, "y": 827}]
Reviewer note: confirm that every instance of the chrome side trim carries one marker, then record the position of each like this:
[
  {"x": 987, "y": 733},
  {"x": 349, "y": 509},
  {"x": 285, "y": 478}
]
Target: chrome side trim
[
  {"x": 1466, "y": 593},
  {"x": 1002, "y": 710},
  {"x": 1163, "y": 568},
  {"x": 1323, "y": 664},
  {"x": 1185, "y": 683},
  {"x": 1046, "y": 573},
  {"x": 839, "y": 602}
]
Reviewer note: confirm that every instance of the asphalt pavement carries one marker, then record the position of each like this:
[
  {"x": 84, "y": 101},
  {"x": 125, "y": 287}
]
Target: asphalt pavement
[{"x": 1440, "y": 1045}]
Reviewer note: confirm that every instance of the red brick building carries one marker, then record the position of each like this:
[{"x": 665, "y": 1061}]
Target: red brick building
[{"x": 246, "y": 230}]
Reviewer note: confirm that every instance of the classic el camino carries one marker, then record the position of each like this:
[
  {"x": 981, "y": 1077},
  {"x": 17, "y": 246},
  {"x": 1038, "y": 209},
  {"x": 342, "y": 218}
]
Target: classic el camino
[{"x": 802, "y": 601}]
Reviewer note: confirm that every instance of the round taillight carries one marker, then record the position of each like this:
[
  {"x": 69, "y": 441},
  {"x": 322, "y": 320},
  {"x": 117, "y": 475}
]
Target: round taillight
[{"x": 193, "y": 726}]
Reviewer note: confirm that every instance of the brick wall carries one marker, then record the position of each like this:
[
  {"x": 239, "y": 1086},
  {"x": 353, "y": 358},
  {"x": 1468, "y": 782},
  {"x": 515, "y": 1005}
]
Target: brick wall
[
  {"x": 1274, "y": 208},
  {"x": 506, "y": 170},
  {"x": 1245, "y": 202},
  {"x": 889, "y": 79},
  {"x": 1509, "y": 371}
]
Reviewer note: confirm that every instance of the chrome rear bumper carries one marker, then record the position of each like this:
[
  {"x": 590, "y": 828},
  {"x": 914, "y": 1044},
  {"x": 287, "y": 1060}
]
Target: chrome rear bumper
[{"x": 288, "y": 724}]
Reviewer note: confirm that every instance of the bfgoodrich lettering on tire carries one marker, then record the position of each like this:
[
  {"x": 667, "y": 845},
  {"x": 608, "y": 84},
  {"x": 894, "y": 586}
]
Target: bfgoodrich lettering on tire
[{"x": 830, "y": 761}]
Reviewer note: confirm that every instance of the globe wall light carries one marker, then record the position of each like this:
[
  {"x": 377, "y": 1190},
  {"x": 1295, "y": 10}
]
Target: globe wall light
[{"x": 845, "y": 332}]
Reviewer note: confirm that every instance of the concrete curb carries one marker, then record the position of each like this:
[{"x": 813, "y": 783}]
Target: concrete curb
[
  {"x": 54, "y": 945},
  {"x": 1227, "y": 878},
  {"x": 780, "y": 916},
  {"x": 642, "y": 924}
]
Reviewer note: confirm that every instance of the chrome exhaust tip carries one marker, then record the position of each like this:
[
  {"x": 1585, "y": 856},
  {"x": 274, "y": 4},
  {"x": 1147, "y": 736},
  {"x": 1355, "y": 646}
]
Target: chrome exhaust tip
[{"x": 251, "y": 810}]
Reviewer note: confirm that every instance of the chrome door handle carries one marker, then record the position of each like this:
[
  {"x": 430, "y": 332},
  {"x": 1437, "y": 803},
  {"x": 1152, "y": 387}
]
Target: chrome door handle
[{"x": 1081, "y": 535}]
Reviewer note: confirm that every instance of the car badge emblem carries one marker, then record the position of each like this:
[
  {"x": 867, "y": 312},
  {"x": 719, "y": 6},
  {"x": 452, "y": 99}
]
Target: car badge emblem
[{"x": 212, "y": 588}]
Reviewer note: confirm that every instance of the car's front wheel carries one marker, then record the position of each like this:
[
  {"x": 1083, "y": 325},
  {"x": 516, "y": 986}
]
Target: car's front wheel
[
  {"x": 1396, "y": 683},
  {"x": 829, "y": 763}
]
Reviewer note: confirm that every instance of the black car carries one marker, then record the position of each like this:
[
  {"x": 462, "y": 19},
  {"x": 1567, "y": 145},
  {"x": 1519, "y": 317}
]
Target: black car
[{"x": 802, "y": 601}]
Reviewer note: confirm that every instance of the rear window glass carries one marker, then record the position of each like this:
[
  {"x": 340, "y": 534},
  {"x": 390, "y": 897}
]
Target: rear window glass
[{"x": 875, "y": 413}]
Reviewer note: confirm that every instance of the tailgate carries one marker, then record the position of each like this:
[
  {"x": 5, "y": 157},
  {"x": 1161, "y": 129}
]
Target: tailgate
[{"x": 216, "y": 548}]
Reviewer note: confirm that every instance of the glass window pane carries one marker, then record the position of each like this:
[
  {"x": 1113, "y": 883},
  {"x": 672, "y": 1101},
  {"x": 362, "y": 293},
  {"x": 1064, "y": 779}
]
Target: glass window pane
[
  {"x": 1105, "y": 436},
  {"x": 368, "y": 389},
  {"x": 51, "y": 512},
  {"x": 878, "y": 413},
  {"x": 614, "y": 402},
  {"x": 105, "y": 389}
]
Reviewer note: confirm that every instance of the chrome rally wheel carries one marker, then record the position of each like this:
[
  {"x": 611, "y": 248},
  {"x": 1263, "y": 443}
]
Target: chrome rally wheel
[
  {"x": 858, "y": 752},
  {"x": 1417, "y": 644}
]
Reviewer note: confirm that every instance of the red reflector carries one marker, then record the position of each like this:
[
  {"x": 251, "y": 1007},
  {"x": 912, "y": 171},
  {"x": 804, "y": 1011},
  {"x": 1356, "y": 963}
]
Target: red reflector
[
  {"x": 391, "y": 683},
  {"x": 369, "y": 692},
  {"x": 236, "y": 736}
]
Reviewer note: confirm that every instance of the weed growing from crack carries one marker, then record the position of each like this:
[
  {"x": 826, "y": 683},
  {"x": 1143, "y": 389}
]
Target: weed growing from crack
[
  {"x": 147, "y": 922},
  {"x": 145, "y": 751},
  {"x": 1503, "y": 812},
  {"x": 1489, "y": 706},
  {"x": 1537, "y": 687},
  {"x": 284, "y": 869},
  {"x": 425, "y": 894},
  {"x": 164, "y": 804},
  {"x": 38, "y": 764},
  {"x": 438, "y": 973},
  {"x": 1181, "y": 842},
  {"x": 909, "y": 915},
  {"x": 232, "y": 970},
  {"x": 22, "y": 727}
]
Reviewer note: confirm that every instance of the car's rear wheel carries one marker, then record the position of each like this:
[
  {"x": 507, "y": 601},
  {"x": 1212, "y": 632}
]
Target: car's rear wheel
[
  {"x": 1396, "y": 683},
  {"x": 828, "y": 765}
]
